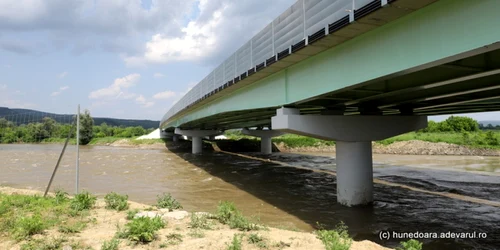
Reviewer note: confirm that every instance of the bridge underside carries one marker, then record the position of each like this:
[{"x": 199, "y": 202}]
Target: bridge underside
[{"x": 471, "y": 83}]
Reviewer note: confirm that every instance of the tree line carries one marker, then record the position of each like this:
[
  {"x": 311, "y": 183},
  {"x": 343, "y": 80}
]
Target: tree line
[{"x": 49, "y": 130}]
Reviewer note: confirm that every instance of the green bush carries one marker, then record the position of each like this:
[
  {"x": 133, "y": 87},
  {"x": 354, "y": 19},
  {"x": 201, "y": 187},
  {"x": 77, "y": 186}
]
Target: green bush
[
  {"x": 410, "y": 245},
  {"x": 142, "y": 229},
  {"x": 61, "y": 196},
  {"x": 228, "y": 214},
  {"x": 131, "y": 213},
  {"x": 116, "y": 201},
  {"x": 110, "y": 245},
  {"x": 235, "y": 243},
  {"x": 167, "y": 201},
  {"x": 83, "y": 201},
  {"x": 257, "y": 240},
  {"x": 200, "y": 221},
  {"x": 337, "y": 239},
  {"x": 27, "y": 226}
]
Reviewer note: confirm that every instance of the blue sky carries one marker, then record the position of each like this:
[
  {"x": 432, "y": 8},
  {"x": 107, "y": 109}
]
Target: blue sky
[{"x": 117, "y": 58}]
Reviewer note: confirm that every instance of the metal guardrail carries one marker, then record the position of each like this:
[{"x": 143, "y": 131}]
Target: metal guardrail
[{"x": 305, "y": 18}]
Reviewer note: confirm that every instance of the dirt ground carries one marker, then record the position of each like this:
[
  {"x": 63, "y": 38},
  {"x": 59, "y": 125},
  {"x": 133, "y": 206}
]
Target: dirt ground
[{"x": 106, "y": 223}]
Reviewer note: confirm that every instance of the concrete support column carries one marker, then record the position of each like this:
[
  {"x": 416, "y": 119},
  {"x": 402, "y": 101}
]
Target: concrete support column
[
  {"x": 197, "y": 146},
  {"x": 266, "y": 145},
  {"x": 353, "y": 136},
  {"x": 354, "y": 173},
  {"x": 175, "y": 138},
  {"x": 197, "y": 137}
]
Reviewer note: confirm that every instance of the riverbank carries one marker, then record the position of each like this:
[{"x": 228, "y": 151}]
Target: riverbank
[
  {"x": 411, "y": 147},
  {"x": 32, "y": 222}
]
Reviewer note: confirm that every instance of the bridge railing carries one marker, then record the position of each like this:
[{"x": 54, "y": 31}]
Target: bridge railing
[{"x": 304, "y": 18}]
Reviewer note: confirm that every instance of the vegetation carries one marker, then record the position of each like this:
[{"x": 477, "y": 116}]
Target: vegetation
[
  {"x": 142, "y": 229},
  {"x": 235, "y": 243},
  {"x": 257, "y": 240},
  {"x": 22, "y": 216},
  {"x": 86, "y": 125},
  {"x": 200, "y": 221},
  {"x": 49, "y": 131},
  {"x": 111, "y": 244},
  {"x": 410, "y": 245},
  {"x": 131, "y": 213},
  {"x": 336, "y": 239},
  {"x": 172, "y": 239},
  {"x": 167, "y": 201},
  {"x": 116, "y": 201},
  {"x": 228, "y": 214},
  {"x": 83, "y": 201}
]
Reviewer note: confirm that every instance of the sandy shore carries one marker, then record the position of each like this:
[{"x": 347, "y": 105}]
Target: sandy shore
[{"x": 107, "y": 221}]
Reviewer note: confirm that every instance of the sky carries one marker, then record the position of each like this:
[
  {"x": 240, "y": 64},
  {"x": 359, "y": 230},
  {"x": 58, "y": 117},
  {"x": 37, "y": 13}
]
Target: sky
[{"x": 121, "y": 58}]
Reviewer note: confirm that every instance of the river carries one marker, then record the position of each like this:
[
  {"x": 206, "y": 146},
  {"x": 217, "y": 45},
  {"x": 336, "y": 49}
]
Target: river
[{"x": 280, "y": 196}]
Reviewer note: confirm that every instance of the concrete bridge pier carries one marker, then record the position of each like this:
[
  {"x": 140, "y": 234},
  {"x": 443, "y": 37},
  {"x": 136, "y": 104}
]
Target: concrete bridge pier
[
  {"x": 197, "y": 137},
  {"x": 353, "y": 136},
  {"x": 266, "y": 145}
]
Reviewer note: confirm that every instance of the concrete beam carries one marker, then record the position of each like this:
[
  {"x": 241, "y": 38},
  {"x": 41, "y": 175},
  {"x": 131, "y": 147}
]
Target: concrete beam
[
  {"x": 266, "y": 145},
  {"x": 346, "y": 128}
]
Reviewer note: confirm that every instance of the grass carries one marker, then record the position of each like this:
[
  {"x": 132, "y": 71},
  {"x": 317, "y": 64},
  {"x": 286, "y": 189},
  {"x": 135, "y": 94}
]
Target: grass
[
  {"x": 235, "y": 243},
  {"x": 228, "y": 214},
  {"x": 257, "y": 240},
  {"x": 142, "y": 229},
  {"x": 200, "y": 221},
  {"x": 83, "y": 201},
  {"x": 22, "y": 216},
  {"x": 172, "y": 240},
  {"x": 116, "y": 201},
  {"x": 24, "y": 227},
  {"x": 196, "y": 233},
  {"x": 410, "y": 245},
  {"x": 167, "y": 201},
  {"x": 131, "y": 213},
  {"x": 111, "y": 244},
  {"x": 336, "y": 239},
  {"x": 479, "y": 139},
  {"x": 74, "y": 227}
]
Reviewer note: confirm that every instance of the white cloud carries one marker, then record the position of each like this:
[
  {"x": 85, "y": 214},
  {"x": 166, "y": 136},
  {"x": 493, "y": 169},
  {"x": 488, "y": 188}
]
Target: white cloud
[
  {"x": 61, "y": 89},
  {"x": 117, "y": 89},
  {"x": 143, "y": 102},
  {"x": 219, "y": 29},
  {"x": 164, "y": 95},
  {"x": 3, "y": 86},
  {"x": 198, "y": 41},
  {"x": 62, "y": 75},
  {"x": 158, "y": 75}
]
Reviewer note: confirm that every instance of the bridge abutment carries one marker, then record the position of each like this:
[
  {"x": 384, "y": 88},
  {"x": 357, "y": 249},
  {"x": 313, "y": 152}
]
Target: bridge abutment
[
  {"x": 266, "y": 145},
  {"x": 197, "y": 137},
  {"x": 353, "y": 136}
]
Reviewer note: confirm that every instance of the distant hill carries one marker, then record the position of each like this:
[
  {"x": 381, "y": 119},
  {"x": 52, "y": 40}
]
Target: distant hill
[
  {"x": 494, "y": 123},
  {"x": 21, "y": 116}
]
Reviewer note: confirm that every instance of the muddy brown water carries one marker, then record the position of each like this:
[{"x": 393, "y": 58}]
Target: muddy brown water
[{"x": 282, "y": 196}]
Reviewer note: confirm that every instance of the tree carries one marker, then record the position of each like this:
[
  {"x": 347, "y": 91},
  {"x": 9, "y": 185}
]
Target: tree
[{"x": 86, "y": 128}]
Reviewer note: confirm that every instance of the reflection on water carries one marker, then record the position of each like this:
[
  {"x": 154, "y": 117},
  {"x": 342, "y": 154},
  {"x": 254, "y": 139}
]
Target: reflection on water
[{"x": 280, "y": 196}]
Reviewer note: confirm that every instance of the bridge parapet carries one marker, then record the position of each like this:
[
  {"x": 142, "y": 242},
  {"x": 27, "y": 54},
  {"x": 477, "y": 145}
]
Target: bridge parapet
[{"x": 303, "y": 23}]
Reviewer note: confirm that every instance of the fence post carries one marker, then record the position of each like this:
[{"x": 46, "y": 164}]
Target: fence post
[{"x": 77, "y": 148}]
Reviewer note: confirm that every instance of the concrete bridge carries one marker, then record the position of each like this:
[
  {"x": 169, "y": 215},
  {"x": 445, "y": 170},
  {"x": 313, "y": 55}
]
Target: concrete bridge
[{"x": 353, "y": 71}]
